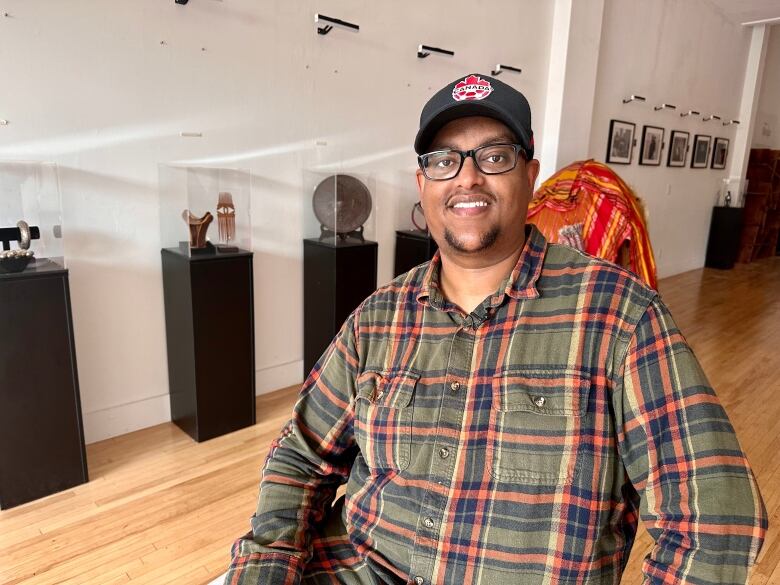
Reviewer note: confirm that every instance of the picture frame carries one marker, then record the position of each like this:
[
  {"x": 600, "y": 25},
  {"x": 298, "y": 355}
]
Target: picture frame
[
  {"x": 620, "y": 146},
  {"x": 720, "y": 152},
  {"x": 701, "y": 151},
  {"x": 678, "y": 148},
  {"x": 652, "y": 146}
]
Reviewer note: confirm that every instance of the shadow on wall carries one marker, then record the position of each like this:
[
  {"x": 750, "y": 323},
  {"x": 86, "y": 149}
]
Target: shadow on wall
[{"x": 111, "y": 232}]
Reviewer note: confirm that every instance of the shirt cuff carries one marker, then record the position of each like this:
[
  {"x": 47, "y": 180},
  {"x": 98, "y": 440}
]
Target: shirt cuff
[{"x": 268, "y": 568}]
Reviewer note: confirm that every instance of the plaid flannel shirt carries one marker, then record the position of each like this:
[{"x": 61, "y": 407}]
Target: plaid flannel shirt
[{"x": 516, "y": 444}]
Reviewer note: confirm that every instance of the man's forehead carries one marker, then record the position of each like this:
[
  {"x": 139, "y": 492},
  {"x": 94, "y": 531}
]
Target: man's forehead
[{"x": 471, "y": 128}]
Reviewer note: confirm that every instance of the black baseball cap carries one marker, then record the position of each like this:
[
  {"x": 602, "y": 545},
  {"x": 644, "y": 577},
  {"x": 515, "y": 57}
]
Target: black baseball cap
[{"x": 476, "y": 95}]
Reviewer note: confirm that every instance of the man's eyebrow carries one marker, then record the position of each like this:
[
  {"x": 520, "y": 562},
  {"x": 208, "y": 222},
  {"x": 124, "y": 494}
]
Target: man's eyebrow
[{"x": 497, "y": 139}]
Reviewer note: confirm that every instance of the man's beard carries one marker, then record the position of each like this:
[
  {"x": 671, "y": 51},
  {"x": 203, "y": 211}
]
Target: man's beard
[{"x": 486, "y": 240}]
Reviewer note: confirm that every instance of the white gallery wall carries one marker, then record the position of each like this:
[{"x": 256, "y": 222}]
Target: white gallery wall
[
  {"x": 104, "y": 89},
  {"x": 766, "y": 132},
  {"x": 680, "y": 52}
]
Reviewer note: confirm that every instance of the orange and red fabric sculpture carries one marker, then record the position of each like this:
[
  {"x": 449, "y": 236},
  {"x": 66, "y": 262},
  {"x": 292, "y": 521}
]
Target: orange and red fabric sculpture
[{"x": 587, "y": 206}]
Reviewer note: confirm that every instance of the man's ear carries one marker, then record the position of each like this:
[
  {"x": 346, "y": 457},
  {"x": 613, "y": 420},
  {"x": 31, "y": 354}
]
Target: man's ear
[
  {"x": 420, "y": 182},
  {"x": 532, "y": 171}
]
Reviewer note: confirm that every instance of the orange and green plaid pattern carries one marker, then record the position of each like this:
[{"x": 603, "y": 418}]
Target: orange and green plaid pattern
[{"x": 516, "y": 444}]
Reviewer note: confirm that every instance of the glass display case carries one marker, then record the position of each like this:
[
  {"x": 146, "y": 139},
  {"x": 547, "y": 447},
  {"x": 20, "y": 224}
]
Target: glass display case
[
  {"x": 339, "y": 254},
  {"x": 732, "y": 192},
  {"x": 339, "y": 207},
  {"x": 204, "y": 210},
  {"x": 30, "y": 217},
  {"x": 413, "y": 243},
  {"x": 42, "y": 447},
  {"x": 207, "y": 273}
]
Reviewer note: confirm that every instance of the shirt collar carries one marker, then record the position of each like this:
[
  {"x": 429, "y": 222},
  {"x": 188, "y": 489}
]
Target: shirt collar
[{"x": 520, "y": 284}]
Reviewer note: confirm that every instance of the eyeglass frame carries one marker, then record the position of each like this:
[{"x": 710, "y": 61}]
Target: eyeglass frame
[{"x": 464, "y": 154}]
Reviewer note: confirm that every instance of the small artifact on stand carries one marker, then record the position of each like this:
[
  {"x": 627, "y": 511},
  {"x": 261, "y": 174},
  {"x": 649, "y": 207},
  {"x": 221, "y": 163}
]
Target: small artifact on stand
[
  {"x": 342, "y": 204},
  {"x": 226, "y": 221},
  {"x": 17, "y": 260},
  {"x": 727, "y": 199},
  {"x": 198, "y": 228},
  {"x": 420, "y": 228}
]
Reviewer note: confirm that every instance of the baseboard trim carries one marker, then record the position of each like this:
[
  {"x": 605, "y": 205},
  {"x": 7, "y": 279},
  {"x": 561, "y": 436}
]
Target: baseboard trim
[
  {"x": 276, "y": 377},
  {"x": 126, "y": 418}
]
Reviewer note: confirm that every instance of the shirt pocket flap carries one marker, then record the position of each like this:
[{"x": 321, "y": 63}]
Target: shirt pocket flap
[
  {"x": 548, "y": 392},
  {"x": 392, "y": 389}
]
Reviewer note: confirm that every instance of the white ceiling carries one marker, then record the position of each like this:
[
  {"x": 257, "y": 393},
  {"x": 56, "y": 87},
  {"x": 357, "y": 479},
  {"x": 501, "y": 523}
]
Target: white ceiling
[{"x": 749, "y": 10}]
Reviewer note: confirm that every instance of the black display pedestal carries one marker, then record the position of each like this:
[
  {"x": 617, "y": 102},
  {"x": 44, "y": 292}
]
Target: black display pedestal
[
  {"x": 412, "y": 247},
  {"x": 41, "y": 433},
  {"x": 337, "y": 276},
  {"x": 723, "y": 243},
  {"x": 209, "y": 325}
]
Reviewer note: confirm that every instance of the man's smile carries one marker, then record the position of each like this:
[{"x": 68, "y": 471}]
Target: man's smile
[{"x": 468, "y": 205}]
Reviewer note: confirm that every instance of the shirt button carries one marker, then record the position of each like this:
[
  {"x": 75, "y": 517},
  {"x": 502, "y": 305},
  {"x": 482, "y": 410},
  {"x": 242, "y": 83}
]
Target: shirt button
[
  {"x": 539, "y": 401},
  {"x": 444, "y": 453},
  {"x": 455, "y": 386},
  {"x": 428, "y": 524},
  {"x": 419, "y": 580}
]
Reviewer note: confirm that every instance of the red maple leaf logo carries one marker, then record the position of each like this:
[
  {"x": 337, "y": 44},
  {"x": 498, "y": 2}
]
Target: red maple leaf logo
[{"x": 471, "y": 88}]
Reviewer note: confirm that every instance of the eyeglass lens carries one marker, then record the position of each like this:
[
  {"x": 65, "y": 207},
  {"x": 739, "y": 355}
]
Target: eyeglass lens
[{"x": 491, "y": 159}]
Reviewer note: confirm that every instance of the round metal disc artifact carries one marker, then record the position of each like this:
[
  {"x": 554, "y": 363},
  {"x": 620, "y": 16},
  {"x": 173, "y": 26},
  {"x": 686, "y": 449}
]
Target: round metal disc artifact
[{"x": 341, "y": 203}]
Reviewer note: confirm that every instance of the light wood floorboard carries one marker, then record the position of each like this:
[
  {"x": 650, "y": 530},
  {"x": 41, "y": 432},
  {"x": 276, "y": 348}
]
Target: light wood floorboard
[{"x": 162, "y": 509}]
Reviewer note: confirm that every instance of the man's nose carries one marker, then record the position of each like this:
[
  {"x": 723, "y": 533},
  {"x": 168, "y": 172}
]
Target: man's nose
[{"x": 469, "y": 174}]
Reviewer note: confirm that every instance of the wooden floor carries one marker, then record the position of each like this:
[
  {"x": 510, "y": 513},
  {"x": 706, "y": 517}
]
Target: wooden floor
[{"x": 162, "y": 509}]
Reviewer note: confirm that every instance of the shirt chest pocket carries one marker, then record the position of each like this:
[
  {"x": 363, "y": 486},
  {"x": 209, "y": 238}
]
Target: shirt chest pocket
[
  {"x": 536, "y": 423},
  {"x": 383, "y": 418}
]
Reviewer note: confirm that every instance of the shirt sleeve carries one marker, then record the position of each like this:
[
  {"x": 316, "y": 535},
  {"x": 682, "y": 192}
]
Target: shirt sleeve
[
  {"x": 307, "y": 463},
  {"x": 698, "y": 496}
]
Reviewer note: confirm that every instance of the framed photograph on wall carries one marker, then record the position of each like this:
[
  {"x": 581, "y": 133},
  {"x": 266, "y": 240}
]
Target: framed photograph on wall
[
  {"x": 701, "y": 151},
  {"x": 621, "y": 142},
  {"x": 652, "y": 144},
  {"x": 720, "y": 152},
  {"x": 678, "y": 148}
]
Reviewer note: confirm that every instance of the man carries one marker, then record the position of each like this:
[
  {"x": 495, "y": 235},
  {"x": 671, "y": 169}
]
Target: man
[{"x": 504, "y": 413}]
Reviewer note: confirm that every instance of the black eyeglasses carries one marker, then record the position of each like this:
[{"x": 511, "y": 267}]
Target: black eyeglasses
[{"x": 492, "y": 159}]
